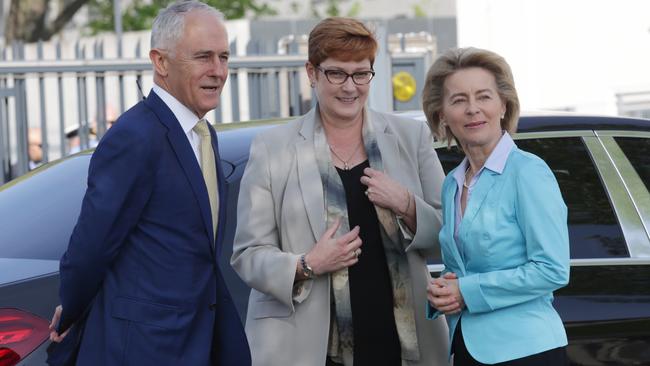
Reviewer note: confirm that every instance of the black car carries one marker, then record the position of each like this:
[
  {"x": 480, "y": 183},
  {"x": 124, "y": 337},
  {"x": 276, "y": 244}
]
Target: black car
[{"x": 601, "y": 163}]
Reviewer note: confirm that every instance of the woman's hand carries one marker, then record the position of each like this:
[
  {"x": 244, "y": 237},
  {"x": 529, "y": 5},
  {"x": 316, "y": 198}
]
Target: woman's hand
[
  {"x": 444, "y": 294},
  {"x": 331, "y": 254},
  {"x": 385, "y": 192}
]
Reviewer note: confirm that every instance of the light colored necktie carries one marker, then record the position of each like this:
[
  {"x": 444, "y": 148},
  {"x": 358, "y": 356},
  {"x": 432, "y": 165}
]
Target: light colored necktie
[{"x": 209, "y": 169}]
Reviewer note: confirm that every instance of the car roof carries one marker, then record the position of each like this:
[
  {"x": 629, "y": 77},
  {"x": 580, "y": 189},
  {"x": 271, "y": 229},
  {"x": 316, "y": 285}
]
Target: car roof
[
  {"x": 570, "y": 122},
  {"x": 234, "y": 145},
  {"x": 235, "y": 138},
  {"x": 539, "y": 121},
  {"x": 234, "y": 148}
]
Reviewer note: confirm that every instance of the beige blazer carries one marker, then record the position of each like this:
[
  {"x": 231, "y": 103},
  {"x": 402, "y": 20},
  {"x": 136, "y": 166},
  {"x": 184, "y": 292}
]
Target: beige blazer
[{"x": 281, "y": 215}]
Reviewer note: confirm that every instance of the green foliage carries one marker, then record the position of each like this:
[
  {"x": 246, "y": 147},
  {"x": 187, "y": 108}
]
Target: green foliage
[
  {"x": 354, "y": 10},
  {"x": 332, "y": 9},
  {"x": 295, "y": 7},
  {"x": 419, "y": 12},
  {"x": 139, "y": 15}
]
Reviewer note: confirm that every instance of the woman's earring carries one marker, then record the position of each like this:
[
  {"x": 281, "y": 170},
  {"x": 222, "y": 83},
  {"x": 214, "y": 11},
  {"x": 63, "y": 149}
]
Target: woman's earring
[{"x": 312, "y": 84}]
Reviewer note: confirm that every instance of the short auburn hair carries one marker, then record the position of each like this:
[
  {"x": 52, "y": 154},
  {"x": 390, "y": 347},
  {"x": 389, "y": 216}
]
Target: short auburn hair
[{"x": 344, "y": 39}]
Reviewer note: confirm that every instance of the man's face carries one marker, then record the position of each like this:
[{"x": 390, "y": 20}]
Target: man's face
[
  {"x": 198, "y": 66},
  {"x": 35, "y": 147}
]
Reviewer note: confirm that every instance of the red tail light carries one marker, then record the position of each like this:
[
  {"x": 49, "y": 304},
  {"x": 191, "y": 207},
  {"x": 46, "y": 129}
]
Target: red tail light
[{"x": 20, "y": 334}]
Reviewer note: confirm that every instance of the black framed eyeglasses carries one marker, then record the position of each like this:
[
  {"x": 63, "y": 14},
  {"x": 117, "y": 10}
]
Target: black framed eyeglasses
[{"x": 338, "y": 77}]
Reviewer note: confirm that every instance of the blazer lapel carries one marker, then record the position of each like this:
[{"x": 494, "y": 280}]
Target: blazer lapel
[
  {"x": 450, "y": 227},
  {"x": 309, "y": 177},
  {"x": 389, "y": 147},
  {"x": 483, "y": 187},
  {"x": 185, "y": 155}
]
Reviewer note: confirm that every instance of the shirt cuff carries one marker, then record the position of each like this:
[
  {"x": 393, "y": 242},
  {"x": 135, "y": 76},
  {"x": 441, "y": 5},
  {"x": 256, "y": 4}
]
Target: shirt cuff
[
  {"x": 470, "y": 288},
  {"x": 406, "y": 232}
]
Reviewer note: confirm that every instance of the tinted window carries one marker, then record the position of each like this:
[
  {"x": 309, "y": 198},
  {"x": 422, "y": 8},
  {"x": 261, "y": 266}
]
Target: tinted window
[
  {"x": 637, "y": 151},
  {"x": 40, "y": 209},
  {"x": 593, "y": 229}
]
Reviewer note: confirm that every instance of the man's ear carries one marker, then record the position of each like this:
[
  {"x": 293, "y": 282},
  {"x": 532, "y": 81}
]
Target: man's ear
[{"x": 160, "y": 61}]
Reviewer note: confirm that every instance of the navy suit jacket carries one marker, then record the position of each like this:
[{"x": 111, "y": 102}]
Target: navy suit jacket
[{"x": 142, "y": 256}]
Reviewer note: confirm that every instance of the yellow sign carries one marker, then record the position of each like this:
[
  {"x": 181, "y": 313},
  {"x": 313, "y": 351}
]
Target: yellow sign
[{"x": 404, "y": 86}]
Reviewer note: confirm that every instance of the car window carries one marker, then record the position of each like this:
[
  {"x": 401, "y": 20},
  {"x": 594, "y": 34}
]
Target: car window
[
  {"x": 593, "y": 229},
  {"x": 637, "y": 151},
  {"x": 40, "y": 209}
]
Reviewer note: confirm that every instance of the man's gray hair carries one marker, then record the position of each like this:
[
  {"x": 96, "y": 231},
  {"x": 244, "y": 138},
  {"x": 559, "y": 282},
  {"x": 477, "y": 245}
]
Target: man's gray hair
[{"x": 168, "y": 26}]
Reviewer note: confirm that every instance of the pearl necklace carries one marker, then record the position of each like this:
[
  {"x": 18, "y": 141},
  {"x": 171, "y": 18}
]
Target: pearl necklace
[{"x": 468, "y": 186}]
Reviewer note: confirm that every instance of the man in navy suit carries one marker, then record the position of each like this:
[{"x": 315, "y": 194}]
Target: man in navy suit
[{"x": 142, "y": 258}]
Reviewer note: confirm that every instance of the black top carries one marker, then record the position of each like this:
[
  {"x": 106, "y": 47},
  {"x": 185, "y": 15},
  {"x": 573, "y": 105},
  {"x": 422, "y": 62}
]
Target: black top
[{"x": 371, "y": 294}]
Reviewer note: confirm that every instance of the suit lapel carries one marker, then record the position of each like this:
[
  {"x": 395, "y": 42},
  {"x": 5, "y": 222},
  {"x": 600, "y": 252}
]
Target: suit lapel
[
  {"x": 185, "y": 155},
  {"x": 389, "y": 148},
  {"x": 223, "y": 194},
  {"x": 450, "y": 219},
  {"x": 309, "y": 177},
  {"x": 480, "y": 192}
]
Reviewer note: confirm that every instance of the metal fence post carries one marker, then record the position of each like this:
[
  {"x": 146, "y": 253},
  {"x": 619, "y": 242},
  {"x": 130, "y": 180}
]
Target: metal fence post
[
  {"x": 59, "y": 81},
  {"x": 294, "y": 93},
  {"x": 5, "y": 152},
  {"x": 82, "y": 107},
  {"x": 234, "y": 95},
  {"x": 380, "y": 96},
  {"x": 254, "y": 95},
  {"x": 45, "y": 146},
  {"x": 100, "y": 94},
  {"x": 22, "y": 160},
  {"x": 138, "y": 75}
]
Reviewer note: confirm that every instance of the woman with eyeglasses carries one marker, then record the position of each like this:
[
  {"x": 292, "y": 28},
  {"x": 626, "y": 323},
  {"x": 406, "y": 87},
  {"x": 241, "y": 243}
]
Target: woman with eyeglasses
[{"x": 334, "y": 211}]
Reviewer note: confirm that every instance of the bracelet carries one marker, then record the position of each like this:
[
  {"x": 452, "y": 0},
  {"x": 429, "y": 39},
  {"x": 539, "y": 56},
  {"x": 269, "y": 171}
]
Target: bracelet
[
  {"x": 408, "y": 204},
  {"x": 306, "y": 269}
]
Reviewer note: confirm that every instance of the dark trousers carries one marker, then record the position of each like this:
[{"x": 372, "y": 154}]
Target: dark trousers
[{"x": 553, "y": 357}]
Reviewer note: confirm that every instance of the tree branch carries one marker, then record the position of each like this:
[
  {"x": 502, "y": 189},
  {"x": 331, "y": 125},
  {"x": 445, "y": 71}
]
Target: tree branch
[{"x": 62, "y": 19}]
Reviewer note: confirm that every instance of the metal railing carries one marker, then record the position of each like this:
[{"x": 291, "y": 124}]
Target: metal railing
[{"x": 62, "y": 95}]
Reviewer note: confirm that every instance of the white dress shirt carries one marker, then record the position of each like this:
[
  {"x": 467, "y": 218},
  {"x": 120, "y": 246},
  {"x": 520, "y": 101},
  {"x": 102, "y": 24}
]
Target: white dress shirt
[{"x": 185, "y": 117}]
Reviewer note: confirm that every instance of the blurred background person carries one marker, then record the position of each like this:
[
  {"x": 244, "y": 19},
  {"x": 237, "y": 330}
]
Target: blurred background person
[
  {"x": 332, "y": 210},
  {"x": 72, "y": 133},
  {"x": 34, "y": 151},
  {"x": 74, "y": 140},
  {"x": 35, "y": 147},
  {"x": 504, "y": 239}
]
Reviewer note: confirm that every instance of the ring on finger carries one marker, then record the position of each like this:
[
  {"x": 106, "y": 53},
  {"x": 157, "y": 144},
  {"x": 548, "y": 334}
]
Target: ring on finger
[{"x": 357, "y": 252}]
